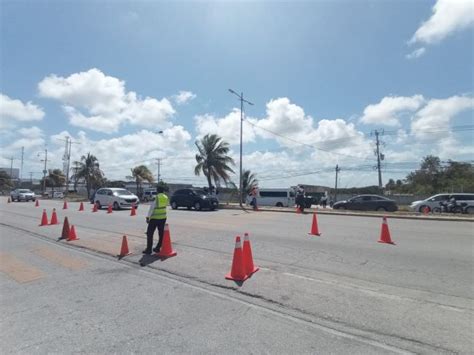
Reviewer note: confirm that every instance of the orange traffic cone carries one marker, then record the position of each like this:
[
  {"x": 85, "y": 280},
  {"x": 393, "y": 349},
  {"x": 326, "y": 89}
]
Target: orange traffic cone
[
  {"x": 65, "y": 232},
  {"x": 237, "y": 272},
  {"x": 249, "y": 267},
  {"x": 9, "y": 201},
  {"x": 81, "y": 207},
  {"x": 133, "y": 212},
  {"x": 44, "y": 219},
  {"x": 166, "y": 248},
  {"x": 37, "y": 203},
  {"x": 124, "y": 249},
  {"x": 94, "y": 209},
  {"x": 385, "y": 233},
  {"x": 54, "y": 218},
  {"x": 109, "y": 209},
  {"x": 314, "y": 226},
  {"x": 72, "y": 235},
  {"x": 65, "y": 205}
]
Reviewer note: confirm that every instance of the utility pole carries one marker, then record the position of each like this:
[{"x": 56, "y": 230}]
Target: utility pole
[
  {"x": 242, "y": 100},
  {"x": 67, "y": 159},
  {"x": 31, "y": 178},
  {"x": 44, "y": 170},
  {"x": 11, "y": 169},
  {"x": 158, "y": 162},
  {"x": 335, "y": 187},
  {"x": 21, "y": 167},
  {"x": 379, "y": 157}
]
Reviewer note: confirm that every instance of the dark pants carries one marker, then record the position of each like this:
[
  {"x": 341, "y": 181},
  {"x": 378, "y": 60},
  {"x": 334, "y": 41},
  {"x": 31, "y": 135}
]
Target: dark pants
[{"x": 152, "y": 225}]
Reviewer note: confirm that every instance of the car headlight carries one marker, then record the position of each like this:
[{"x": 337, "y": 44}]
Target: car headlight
[{"x": 204, "y": 197}]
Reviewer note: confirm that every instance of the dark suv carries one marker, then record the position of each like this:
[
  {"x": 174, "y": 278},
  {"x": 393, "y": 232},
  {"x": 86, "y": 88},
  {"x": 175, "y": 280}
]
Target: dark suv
[{"x": 190, "y": 198}]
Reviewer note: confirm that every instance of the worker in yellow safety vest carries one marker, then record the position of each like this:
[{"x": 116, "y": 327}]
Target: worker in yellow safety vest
[{"x": 156, "y": 218}]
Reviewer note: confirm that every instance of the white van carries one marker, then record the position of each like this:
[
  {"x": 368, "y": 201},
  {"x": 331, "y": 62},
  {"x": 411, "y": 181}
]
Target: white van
[{"x": 274, "y": 197}]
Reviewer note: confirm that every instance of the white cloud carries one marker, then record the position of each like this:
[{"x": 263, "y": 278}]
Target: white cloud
[
  {"x": 99, "y": 102},
  {"x": 184, "y": 97},
  {"x": 390, "y": 109},
  {"x": 416, "y": 53},
  {"x": 437, "y": 115},
  {"x": 228, "y": 127},
  {"x": 11, "y": 109},
  {"x": 449, "y": 16},
  {"x": 32, "y": 132}
]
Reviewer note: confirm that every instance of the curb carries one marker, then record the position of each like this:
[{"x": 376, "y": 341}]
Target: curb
[{"x": 355, "y": 214}]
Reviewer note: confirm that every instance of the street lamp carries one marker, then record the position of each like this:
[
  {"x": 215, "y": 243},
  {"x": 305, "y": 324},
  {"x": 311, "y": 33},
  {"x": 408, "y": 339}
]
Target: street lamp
[{"x": 242, "y": 100}]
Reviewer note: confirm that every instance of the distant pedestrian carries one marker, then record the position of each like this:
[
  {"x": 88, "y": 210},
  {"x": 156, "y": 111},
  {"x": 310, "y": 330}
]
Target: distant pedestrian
[
  {"x": 156, "y": 219},
  {"x": 254, "y": 194},
  {"x": 324, "y": 200}
]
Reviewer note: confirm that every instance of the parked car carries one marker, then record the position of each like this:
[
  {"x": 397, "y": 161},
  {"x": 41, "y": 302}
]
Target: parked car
[
  {"x": 367, "y": 203},
  {"x": 22, "y": 195},
  {"x": 466, "y": 200},
  {"x": 190, "y": 198},
  {"x": 149, "y": 195},
  {"x": 58, "y": 194},
  {"x": 118, "y": 198}
]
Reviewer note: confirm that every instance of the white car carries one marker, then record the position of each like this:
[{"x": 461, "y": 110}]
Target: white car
[
  {"x": 22, "y": 195},
  {"x": 116, "y": 197},
  {"x": 433, "y": 202}
]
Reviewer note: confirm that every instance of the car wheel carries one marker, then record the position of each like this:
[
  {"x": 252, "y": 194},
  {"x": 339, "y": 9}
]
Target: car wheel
[
  {"x": 98, "y": 204},
  {"x": 422, "y": 209},
  {"x": 116, "y": 206},
  {"x": 174, "y": 205},
  {"x": 470, "y": 210},
  {"x": 197, "y": 206},
  {"x": 381, "y": 209},
  {"x": 279, "y": 204}
]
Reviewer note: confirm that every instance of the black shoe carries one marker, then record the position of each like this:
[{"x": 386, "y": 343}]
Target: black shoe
[
  {"x": 156, "y": 249},
  {"x": 146, "y": 251}
]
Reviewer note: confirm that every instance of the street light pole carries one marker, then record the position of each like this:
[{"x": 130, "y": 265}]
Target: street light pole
[{"x": 242, "y": 100}]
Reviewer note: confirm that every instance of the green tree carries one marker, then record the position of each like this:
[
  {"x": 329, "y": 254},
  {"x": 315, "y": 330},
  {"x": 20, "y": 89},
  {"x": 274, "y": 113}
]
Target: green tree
[
  {"x": 55, "y": 178},
  {"x": 89, "y": 170},
  {"x": 249, "y": 181},
  {"x": 212, "y": 159},
  {"x": 6, "y": 182},
  {"x": 163, "y": 184},
  {"x": 141, "y": 173}
]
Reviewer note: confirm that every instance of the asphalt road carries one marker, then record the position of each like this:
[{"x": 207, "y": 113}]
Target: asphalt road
[{"x": 341, "y": 292}]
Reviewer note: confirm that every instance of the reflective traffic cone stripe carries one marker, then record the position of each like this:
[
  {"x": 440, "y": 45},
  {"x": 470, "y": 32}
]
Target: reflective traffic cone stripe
[
  {"x": 237, "y": 272},
  {"x": 81, "y": 207},
  {"x": 124, "y": 249},
  {"x": 385, "y": 233},
  {"x": 37, "y": 203},
  {"x": 44, "y": 219},
  {"x": 133, "y": 212},
  {"x": 109, "y": 209},
  {"x": 94, "y": 209},
  {"x": 314, "y": 226},
  {"x": 249, "y": 267},
  {"x": 54, "y": 218},
  {"x": 65, "y": 205},
  {"x": 72, "y": 234},
  {"x": 166, "y": 248},
  {"x": 65, "y": 231}
]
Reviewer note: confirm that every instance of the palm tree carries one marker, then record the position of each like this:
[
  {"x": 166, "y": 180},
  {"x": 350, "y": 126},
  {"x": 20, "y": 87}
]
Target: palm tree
[
  {"x": 249, "y": 181},
  {"x": 213, "y": 160},
  {"x": 89, "y": 170},
  {"x": 141, "y": 173}
]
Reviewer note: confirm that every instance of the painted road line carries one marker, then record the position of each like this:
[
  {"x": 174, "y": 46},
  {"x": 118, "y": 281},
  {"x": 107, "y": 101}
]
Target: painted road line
[
  {"x": 62, "y": 259},
  {"x": 18, "y": 270}
]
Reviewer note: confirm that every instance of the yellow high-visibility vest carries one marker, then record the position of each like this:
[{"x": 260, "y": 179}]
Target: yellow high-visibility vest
[{"x": 159, "y": 212}]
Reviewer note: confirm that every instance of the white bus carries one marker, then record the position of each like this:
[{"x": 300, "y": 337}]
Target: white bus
[{"x": 274, "y": 197}]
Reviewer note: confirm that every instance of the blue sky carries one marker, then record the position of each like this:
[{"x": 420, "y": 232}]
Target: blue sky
[{"x": 320, "y": 73}]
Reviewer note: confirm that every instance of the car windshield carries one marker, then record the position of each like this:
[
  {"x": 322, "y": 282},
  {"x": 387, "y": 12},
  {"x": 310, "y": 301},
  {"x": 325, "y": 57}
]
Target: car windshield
[
  {"x": 122, "y": 192},
  {"x": 24, "y": 191},
  {"x": 200, "y": 192}
]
